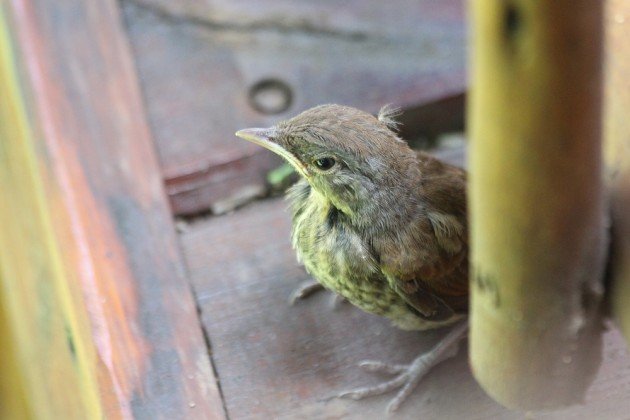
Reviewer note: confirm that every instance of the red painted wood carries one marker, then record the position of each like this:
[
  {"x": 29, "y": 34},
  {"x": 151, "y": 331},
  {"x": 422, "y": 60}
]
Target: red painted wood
[{"x": 82, "y": 92}]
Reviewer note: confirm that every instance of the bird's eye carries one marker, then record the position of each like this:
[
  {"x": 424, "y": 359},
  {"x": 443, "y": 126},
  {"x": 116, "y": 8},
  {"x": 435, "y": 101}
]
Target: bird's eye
[{"x": 325, "y": 163}]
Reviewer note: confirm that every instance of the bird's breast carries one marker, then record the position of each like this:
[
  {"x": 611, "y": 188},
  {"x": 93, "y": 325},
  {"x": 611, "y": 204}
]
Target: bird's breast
[{"x": 342, "y": 261}]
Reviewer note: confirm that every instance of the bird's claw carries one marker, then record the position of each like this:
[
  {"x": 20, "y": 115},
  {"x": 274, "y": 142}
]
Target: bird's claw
[
  {"x": 375, "y": 366},
  {"x": 407, "y": 376},
  {"x": 307, "y": 288},
  {"x": 304, "y": 290}
]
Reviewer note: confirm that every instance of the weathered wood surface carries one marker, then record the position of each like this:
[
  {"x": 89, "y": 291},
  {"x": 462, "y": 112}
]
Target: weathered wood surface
[
  {"x": 93, "y": 293},
  {"x": 200, "y": 62},
  {"x": 279, "y": 361}
]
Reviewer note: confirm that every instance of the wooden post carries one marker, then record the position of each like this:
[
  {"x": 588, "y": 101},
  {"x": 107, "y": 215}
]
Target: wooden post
[
  {"x": 537, "y": 207},
  {"x": 617, "y": 136}
]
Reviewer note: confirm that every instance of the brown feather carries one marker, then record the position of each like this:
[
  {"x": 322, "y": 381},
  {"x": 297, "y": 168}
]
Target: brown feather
[
  {"x": 373, "y": 220},
  {"x": 427, "y": 279}
]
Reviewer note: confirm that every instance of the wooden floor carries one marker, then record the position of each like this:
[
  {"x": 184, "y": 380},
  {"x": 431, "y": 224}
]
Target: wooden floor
[
  {"x": 274, "y": 360},
  {"x": 93, "y": 92}
]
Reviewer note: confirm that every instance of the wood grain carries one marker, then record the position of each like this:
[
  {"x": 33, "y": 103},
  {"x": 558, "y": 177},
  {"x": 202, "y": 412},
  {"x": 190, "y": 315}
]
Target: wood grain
[
  {"x": 199, "y": 61},
  {"x": 103, "y": 317},
  {"x": 281, "y": 361}
]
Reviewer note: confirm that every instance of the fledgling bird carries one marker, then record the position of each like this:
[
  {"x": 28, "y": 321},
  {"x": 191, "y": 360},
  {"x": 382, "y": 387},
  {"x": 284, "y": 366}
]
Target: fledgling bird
[{"x": 378, "y": 223}]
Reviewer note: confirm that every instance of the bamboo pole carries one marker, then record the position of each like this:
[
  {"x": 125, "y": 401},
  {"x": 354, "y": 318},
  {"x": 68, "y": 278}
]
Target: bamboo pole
[
  {"x": 617, "y": 137},
  {"x": 537, "y": 208}
]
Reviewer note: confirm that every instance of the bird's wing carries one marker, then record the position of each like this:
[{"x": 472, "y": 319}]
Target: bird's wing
[
  {"x": 430, "y": 268},
  {"x": 435, "y": 292}
]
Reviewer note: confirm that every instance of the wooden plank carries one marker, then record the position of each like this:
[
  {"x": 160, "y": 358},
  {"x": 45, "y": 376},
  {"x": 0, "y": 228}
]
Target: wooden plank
[
  {"x": 94, "y": 293},
  {"x": 281, "y": 361},
  {"x": 202, "y": 63}
]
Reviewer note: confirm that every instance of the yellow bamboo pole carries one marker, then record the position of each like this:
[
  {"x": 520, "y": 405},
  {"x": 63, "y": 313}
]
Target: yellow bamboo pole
[
  {"x": 47, "y": 367},
  {"x": 537, "y": 210},
  {"x": 617, "y": 137},
  {"x": 13, "y": 397}
]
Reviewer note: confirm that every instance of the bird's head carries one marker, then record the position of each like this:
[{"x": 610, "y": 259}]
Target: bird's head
[{"x": 346, "y": 155}]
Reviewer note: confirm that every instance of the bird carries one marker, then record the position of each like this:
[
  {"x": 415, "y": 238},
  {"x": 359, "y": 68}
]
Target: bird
[{"x": 380, "y": 224}]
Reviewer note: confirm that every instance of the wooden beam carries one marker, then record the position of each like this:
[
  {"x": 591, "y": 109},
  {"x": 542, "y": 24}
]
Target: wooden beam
[
  {"x": 537, "y": 206},
  {"x": 93, "y": 293}
]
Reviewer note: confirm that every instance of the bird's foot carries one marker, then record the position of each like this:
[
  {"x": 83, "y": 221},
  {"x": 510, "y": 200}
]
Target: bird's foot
[
  {"x": 408, "y": 376},
  {"x": 307, "y": 288},
  {"x": 304, "y": 290}
]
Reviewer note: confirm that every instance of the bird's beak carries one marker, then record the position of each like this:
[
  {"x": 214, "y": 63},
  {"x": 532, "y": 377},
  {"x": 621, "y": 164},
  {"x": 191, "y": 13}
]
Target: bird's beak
[{"x": 265, "y": 137}]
